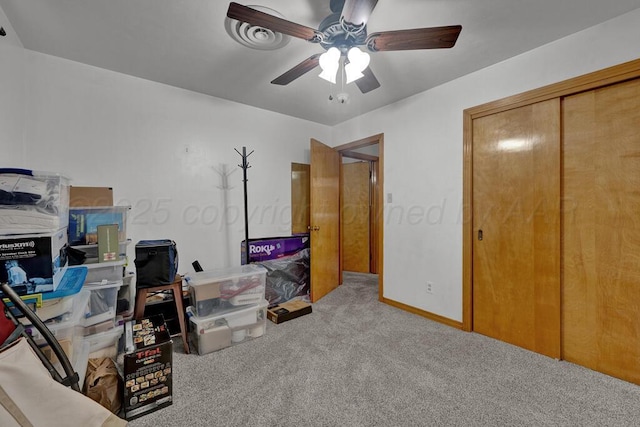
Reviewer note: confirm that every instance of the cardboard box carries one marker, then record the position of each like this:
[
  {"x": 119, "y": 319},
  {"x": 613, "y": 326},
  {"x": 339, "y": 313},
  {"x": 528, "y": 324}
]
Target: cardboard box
[
  {"x": 33, "y": 263},
  {"x": 288, "y": 310},
  {"x": 273, "y": 247},
  {"x": 90, "y": 196},
  {"x": 148, "y": 365}
]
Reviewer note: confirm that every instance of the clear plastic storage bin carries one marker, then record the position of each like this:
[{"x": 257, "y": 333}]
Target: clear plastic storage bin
[
  {"x": 33, "y": 201},
  {"x": 84, "y": 222},
  {"x": 102, "y": 302},
  {"x": 91, "y": 251},
  {"x": 67, "y": 326},
  {"x": 77, "y": 353},
  {"x": 104, "y": 344},
  {"x": 102, "y": 272},
  {"x": 224, "y": 290},
  {"x": 212, "y": 333},
  {"x": 127, "y": 296}
]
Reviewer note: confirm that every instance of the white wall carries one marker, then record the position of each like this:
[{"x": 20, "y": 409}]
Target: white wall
[
  {"x": 423, "y": 157},
  {"x": 163, "y": 150},
  {"x": 11, "y": 95}
]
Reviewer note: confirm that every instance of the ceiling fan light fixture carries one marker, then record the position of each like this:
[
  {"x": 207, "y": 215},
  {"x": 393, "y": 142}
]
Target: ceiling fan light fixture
[
  {"x": 345, "y": 28},
  {"x": 329, "y": 63},
  {"x": 358, "y": 62}
]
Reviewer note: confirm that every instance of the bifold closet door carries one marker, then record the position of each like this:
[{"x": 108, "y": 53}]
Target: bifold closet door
[
  {"x": 516, "y": 223},
  {"x": 601, "y": 230}
]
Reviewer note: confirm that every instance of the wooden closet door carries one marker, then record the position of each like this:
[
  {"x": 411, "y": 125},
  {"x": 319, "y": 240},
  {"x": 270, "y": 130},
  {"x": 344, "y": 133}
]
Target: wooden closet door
[
  {"x": 601, "y": 224},
  {"x": 516, "y": 207}
]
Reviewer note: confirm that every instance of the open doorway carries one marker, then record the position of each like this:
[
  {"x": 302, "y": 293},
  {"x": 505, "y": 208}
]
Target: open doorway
[{"x": 368, "y": 156}]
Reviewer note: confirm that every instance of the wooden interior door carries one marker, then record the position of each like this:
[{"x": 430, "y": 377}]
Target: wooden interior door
[
  {"x": 376, "y": 216},
  {"x": 516, "y": 225},
  {"x": 325, "y": 220},
  {"x": 300, "y": 181},
  {"x": 356, "y": 207},
  {"x": 601, "y": 224}
]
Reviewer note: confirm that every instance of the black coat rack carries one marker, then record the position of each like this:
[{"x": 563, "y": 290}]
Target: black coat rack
[{"x": 245, "y": 166}]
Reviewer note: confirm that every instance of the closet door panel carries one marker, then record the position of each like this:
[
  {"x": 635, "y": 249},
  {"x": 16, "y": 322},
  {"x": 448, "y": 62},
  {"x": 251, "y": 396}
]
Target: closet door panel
[
  {"x": 601, "y": 230},
  {"x": 516, "y": 222}
]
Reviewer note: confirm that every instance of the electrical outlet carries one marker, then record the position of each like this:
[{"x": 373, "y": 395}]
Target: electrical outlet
[{"x": 429, "y": 287}]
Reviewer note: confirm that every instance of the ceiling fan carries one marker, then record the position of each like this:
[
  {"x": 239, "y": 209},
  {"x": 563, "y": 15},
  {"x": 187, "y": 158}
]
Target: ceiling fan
[{"x": 343, "y": 30}]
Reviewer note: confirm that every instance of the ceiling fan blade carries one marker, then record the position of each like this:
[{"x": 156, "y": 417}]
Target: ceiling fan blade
[
  {"x": 297, "y": 71},
  {"x": 420, "y": 38},
  {"x": 273, "y": 23},
  {"x": 368, "y": 82},
  {"x": 356, "y": 13}
]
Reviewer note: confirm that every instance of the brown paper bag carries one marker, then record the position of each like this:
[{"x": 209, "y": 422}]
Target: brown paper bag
[{"x": 103, "y": 384}]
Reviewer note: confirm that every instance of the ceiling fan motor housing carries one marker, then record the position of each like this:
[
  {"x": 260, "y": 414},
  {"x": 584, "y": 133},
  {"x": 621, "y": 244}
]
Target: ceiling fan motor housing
[{"x": 335, "y": 34}]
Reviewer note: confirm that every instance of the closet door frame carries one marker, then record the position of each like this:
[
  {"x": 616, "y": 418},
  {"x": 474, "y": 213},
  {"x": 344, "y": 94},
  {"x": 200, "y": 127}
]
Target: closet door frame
[{"x": 616, "y": 74}]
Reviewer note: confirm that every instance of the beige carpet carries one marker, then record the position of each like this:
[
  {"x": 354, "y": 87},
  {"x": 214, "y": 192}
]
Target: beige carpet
[{"x": 357, "y": 362}]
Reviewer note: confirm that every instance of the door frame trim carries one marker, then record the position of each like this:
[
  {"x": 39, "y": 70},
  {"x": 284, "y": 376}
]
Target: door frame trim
[
  {"x": 360, "y": 143},
  {"x": 611, "y": 75}
]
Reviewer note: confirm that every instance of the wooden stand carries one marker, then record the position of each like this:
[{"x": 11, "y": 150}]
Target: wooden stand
[{"x": 176, "y": 287}]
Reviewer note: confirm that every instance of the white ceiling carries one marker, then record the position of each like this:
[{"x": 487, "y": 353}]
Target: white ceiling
[{"x": 183, "y": 43}]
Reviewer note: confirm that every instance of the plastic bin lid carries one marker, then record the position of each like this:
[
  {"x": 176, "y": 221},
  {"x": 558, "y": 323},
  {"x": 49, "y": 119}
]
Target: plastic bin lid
[
  {"x": 117, "y": 209},
  {"x": 241, "y": 311},
  {"x": 70, "y": 284},
  {"x": 30, "y": 172},
  {"x": 207, "y": 276},
  {"x": 92, "y": 265},
  {"x": 105, "y": 284}
]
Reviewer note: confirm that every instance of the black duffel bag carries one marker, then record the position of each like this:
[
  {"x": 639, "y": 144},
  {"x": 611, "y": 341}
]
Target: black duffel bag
[{"x": 156, "y": 263}]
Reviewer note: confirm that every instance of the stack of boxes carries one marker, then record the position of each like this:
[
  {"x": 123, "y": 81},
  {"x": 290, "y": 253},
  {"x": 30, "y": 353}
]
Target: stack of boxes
[
  {"x": 99, "y": 233},
  {"x": 34, "y": 216},
  {"x": 228, "y": 306}
]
